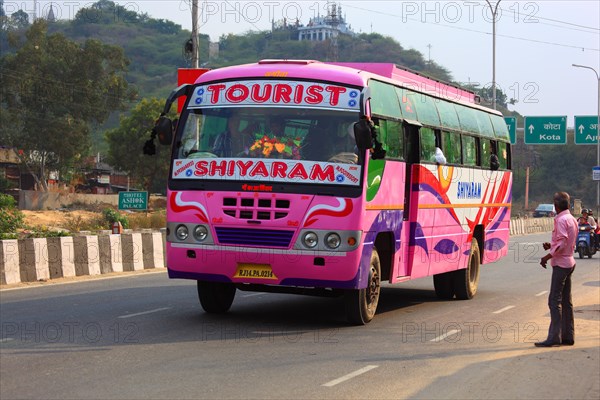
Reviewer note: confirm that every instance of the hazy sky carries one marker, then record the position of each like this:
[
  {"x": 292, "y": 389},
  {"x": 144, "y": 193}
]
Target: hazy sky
[{"x": 536, "y": 41}]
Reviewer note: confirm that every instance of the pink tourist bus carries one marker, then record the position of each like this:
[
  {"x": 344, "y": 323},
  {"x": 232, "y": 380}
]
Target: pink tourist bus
[{"x": 330, "y": 178}]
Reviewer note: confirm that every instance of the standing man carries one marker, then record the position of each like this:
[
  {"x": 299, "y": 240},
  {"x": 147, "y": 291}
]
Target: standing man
[{"x": 564, "y": 236}]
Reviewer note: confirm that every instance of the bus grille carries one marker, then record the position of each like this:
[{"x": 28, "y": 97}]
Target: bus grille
[
  {"x": 254, "y": 237},
  {"x": 256, "y": 209}
]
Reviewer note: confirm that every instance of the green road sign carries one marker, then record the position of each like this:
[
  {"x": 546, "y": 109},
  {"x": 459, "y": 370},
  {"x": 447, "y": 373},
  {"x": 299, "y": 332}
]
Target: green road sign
[
  {"x": 545, "y": 130},
  {"x": 511, "y": 122},
  {"x": 133, "y": 200},
  {"x": 586, "y": 129}
]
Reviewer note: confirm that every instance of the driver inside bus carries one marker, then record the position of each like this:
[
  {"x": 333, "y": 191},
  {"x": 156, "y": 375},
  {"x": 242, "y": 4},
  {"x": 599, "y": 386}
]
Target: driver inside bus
[{"x": 344, "y": 148}]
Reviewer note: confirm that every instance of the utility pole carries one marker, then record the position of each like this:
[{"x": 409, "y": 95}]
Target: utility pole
[
  {"x": 527, "y": 189},
  {"x": 195, "y": 58},
  {"x": 597, "y": 136},
  {"x": 494, "y": 13},
  {"x": 429, "y": 56}
]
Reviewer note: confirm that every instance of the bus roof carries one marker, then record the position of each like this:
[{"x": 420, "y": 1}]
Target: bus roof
[
  {"x": 284, "y": 69},
  {"x": 355, "y": 74},
  {"x": 414, "y": 80}
]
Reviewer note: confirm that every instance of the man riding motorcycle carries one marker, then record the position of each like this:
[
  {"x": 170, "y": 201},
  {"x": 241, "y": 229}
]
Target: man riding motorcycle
[{"x": 587, "y": 219}]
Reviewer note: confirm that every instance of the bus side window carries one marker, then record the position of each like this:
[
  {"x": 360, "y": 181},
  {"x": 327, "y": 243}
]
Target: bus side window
[
  {"x": 469, "y": 148},
  {"x": 486, "y": 152},
  {"x": 451, "y": 147},
  {"x": 427, "y": 136},
  {"x": 390, "y": 134}
]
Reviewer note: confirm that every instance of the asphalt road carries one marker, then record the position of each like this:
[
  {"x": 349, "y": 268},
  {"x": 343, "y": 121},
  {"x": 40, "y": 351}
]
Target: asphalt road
[{"x": 144, "y": 336}]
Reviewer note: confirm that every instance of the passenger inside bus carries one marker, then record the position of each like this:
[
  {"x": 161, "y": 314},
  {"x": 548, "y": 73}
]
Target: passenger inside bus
[
  {"x": 439, "y": 157},
  {"x": 234, "y": 141},
  {"x": 494, "y": 162}
]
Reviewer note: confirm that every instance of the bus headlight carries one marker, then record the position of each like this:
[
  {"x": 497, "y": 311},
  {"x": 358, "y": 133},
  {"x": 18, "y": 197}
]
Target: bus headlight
[
  {"x": 333, "y": 240},
  {"x": 181, "y": 232},
  {"x": 310, "y": 240},
  {"x": 327, "y": 240},
  {"x": 200, "y": 233}
]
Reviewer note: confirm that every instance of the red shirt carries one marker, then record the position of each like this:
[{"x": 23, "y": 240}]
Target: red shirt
[{"x": 564, "y": 236}]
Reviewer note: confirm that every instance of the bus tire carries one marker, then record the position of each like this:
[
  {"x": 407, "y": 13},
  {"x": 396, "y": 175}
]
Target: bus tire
[
  {"x": 466, "y": 280},
  {"x": 361, "y": 304},
  {"x": 444, "y": 285},
  {"x": 216, "y": 297}
]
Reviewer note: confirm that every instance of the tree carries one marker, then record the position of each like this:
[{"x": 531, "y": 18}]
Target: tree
[
  {"x": 126, "y": 143},
  {"x": 19, "y": 20},
  {"x": 52, "y": 90}
]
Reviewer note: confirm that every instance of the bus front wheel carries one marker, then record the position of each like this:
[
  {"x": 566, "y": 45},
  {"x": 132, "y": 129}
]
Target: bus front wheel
[
  {"x": 216, "y": 297},
  {"x": 467, "y": 280},
  {"x": 361, "y": 304}
]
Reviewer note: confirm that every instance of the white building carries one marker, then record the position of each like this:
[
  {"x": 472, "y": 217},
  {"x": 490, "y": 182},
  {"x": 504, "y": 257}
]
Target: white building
[{"x": 327, "y": 27}]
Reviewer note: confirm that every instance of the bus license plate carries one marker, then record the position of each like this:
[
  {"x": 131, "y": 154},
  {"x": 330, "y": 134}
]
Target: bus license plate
[{"x": 254, "y": 271}]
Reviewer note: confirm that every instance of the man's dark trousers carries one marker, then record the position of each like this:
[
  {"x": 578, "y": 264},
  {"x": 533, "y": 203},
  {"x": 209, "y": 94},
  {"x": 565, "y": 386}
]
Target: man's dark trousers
[{"x": 561, "y": 306}]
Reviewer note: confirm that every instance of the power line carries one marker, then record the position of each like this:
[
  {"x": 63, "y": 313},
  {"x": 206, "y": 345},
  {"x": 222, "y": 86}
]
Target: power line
[
  {"x": 478, "y": 31},
  {"x": 560, "y": 22}
]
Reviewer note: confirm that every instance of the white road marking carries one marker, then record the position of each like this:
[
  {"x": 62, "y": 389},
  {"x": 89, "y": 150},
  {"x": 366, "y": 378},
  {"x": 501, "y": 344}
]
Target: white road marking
[
  {"x": 8, "y": 339},
  {"x": 144, "y": 312},
  {"x": 503, "y": 309},
  {"x": 350, "y": 375},
  {"x": 542, "y": 293},
  {"x": 445, "y": 335}
]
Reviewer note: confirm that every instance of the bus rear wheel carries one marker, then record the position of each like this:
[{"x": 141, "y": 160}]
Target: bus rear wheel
[
  {"x": 361, "y": 304},
  {"x": 216, "y": 297},
  {"x": 467, "y": 280}
]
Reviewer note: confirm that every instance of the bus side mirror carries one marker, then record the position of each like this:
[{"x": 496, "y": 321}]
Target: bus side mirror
[
  {"x": 164, "y": 130},
  {"x": 362, "y": 135}
]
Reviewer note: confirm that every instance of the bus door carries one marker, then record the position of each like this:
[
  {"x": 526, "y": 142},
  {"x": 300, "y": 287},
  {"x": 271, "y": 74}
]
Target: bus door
[{"x": 403, "y": 267}]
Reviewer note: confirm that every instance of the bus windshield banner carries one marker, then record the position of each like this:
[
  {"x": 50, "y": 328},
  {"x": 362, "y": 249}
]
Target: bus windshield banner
[
  {"x": 260, "y": 170},
  {"x": 278, "y": 93}
]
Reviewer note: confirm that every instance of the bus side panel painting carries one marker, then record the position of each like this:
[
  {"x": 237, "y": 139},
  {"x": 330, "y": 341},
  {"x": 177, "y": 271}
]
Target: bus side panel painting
[{"x": 461, "y": 201}]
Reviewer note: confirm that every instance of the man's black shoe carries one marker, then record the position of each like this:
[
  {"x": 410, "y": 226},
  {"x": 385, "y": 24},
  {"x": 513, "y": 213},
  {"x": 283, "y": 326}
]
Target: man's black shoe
[
  {"x": 567, "y": 342},
  {"x": 546, "y": 344}
]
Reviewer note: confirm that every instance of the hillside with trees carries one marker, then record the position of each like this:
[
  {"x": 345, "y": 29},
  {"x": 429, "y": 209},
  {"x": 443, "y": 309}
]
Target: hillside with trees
[{"x": 153, "y": 50}]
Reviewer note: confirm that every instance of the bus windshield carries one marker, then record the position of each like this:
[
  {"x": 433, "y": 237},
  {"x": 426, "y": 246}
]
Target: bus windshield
[{"x": 322, "y": 135}]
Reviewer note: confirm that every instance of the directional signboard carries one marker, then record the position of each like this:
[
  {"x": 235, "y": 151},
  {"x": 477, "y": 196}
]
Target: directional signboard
[
  {"x": 133, "y": 200},
  {"x": 586, "y": 129},
  {"x": 545, "y": 130},
  {"x": 511, "y": 122}
]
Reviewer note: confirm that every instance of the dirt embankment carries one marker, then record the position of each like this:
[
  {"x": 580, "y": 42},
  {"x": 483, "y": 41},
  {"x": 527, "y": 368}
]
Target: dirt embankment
[{"x": 56, "y": 220}]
